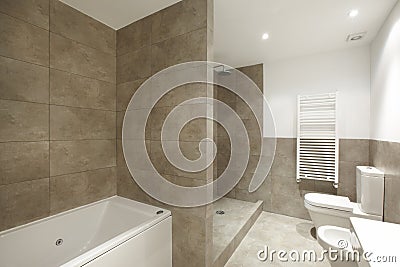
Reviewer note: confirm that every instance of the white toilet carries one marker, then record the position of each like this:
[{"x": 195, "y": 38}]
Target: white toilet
[
  {"x": 336, "y": 210},
  {"x": 331, "y": 214}
]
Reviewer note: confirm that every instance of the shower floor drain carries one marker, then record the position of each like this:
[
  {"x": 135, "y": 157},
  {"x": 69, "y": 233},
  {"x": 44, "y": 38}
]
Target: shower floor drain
[{"x": 220, "y": 212}]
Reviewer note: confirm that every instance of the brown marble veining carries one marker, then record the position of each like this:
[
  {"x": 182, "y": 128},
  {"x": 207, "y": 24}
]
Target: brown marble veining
[
  {"x": 24, "y": 202},
  {"x": 23, "y": 161},
  {"x": 134, "y": 65},
  {"x": 23, "y": 81},
  {"x": 125, "y": 91},
  {"x": 67, "y": 89},
  {"x": 134, "y": 36},
  {"x": 73, "y": 24},
  {"x": 181, "y": 18},
  {"x": 71, "y": 56},
  {"x": 162, "y": 58},
  {"x": 23, "y": 121},
  {"x": 35, "y": 12},
  {"x": 74, "y": 190},
  {"x": 83, "y": 155},
  {"x": 23, "y": 41},
  {"x": 68, "y": 123}
]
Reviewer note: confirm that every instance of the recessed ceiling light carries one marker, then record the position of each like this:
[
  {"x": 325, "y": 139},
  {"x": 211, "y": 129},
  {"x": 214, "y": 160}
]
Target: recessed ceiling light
[
  {"x": 265, "y": 36},
  {"x": 353, "y": 13}
]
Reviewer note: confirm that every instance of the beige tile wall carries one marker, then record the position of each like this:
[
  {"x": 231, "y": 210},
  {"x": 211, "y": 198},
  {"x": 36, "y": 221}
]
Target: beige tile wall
[
  {"x": 386, "y": 156},
  {"x": 177, "y": 34},
  {"x": 57, "y": 110},
  {"x": 283, "y": 195}
]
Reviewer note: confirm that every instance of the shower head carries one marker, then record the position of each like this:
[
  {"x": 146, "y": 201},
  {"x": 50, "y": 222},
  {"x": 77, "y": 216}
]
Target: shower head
[{"x": 222, "y": 70}]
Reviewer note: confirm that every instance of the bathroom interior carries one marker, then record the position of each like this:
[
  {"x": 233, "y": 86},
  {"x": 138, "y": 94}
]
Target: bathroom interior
[{"x": 328, "y": 71}]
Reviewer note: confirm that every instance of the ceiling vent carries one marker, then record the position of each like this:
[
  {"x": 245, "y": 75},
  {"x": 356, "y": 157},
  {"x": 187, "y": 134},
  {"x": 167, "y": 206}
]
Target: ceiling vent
[{"x": 356, "y": 37}]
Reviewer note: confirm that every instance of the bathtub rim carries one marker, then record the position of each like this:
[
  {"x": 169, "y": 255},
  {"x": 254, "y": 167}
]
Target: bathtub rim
[{"x": 110, "y": 244}]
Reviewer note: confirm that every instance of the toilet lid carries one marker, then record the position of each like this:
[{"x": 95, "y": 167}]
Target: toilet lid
[{"x": 329, "y": 201}]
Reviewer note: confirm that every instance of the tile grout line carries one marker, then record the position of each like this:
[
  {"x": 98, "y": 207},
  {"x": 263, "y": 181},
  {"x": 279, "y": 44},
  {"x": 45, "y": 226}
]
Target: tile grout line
[
  {"x": 58, "y": 105},
  {"x": 52, "y": 68},
  {"x": 80, "y": 43},
  {"x": 79, "y": 172},
  {"x": 58, "y": 175},
  {"x": 116, "y": 115},
  {"x": 49, "y": 86},
  {"x": 24, "y": 21},
  {"x": 159, "y": 42}
]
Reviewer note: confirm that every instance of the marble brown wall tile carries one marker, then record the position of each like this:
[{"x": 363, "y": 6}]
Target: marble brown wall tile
[
  {"x": 76, "y": 58},
  {"x": 182, "y": 93},
  {"x": 287, "y": 197},
  {"x": 35, "y": 12},
  {"x": 77, "y": 101},
  {"x": 72, "y": 90},
  {"x": 3, "y": 207},
  {"x": 127, "y": 71},
  {"x": 392, "y": 199},
  {"x": 347, "y": 179},
  {"x": 22, "y": 121},
  {"x": 255, "y": 73},
  {"x": 352, "y": 153},
  {"x": 68, "y": 22},
  {"x": 125, "y": 91},
  {"x": 68, "y": 123},
  {"x": 23, "y": 41},
  {"x": 134, "y": 36},
  {"x": 120, "y": 121},
  {"x": 23, "y": 161},
  {"x": 82, "y": 110},
  {"x": 78, "y": 156},
  {"x": 190, "y": 235},
  {"x": 74, "y": 190},
  {"x": 181, "y": 18},
  {"x": 25, "y": 202},
  {"x": 24, "y": 112},
  {"x": 354, "y": 150},
  {"x": 174, "y": 51},
  {"x": 386, "y": 157},
  {"x": 23, "y": 81}
]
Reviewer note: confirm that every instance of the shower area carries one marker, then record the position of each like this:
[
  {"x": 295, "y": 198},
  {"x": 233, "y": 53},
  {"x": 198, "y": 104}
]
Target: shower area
[{"x": 236, "y": 213}]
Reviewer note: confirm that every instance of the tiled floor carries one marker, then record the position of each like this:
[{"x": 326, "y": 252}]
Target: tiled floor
[
  {"x": 227, "y": 227},
  {"x": 278, "y": 232}
]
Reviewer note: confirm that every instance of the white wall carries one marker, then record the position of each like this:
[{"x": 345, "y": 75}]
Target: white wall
[
  {"x": 345, "y": 71},
  {"x": 385, "y": 80}
]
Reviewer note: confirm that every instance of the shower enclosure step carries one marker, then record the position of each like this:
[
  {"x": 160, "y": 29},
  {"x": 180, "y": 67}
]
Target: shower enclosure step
[{"x": 231, "y": 222}]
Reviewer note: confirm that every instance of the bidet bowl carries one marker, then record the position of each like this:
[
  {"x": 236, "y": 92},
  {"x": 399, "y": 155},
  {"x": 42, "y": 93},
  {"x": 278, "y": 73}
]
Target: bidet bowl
[{"x": 336, "y": 238}]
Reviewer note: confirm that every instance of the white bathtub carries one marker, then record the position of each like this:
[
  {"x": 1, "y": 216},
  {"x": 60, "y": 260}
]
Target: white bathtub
[{"x": 112, "y": 232}]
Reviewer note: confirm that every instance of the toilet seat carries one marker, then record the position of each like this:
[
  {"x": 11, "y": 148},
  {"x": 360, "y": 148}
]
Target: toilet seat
[{"x": 329, "y": 201}]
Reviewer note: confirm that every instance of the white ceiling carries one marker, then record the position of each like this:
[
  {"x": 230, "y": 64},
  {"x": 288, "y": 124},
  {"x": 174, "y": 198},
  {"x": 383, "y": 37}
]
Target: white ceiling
[
  {"x": 119, "y": 13},
  {"x": 296, "y": 27}
]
